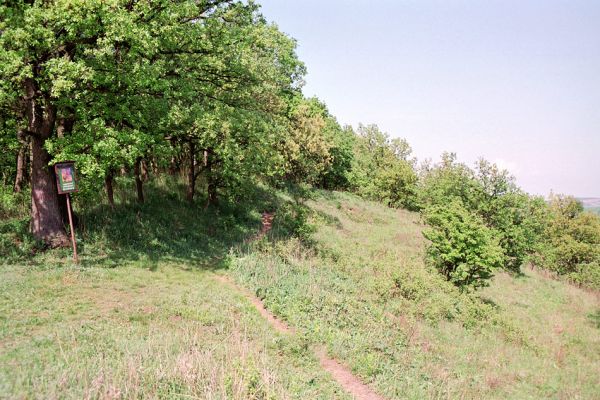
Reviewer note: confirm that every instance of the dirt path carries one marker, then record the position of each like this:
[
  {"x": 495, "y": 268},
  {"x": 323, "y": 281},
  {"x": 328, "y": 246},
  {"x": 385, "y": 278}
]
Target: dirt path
[
  {"x": 339, "y": 372},
  {"x": 278, "y": 324}
]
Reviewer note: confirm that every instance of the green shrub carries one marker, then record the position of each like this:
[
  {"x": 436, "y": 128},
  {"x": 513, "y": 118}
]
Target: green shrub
[
  {"x": 462, "y": 248},
  {"x": 571, "y": 245},
  {"x": 491, "y": 194},
  {"x": 13, "y": 204},
  {"x": 382, "y": 169}
]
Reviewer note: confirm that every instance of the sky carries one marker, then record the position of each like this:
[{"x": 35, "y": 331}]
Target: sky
[{"x": 515, "y": 82}]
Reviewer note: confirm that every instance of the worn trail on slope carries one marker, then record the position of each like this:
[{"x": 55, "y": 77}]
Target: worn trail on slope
[{"x": 339, "y": 372}]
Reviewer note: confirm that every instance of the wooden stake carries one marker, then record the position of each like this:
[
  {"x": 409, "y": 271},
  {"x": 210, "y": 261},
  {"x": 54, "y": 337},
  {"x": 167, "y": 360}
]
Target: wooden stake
[{"x": 75, "y": 258}]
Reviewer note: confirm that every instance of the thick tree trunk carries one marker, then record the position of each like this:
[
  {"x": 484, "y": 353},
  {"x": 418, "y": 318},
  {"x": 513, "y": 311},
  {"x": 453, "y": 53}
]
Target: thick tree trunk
[
  {"x": 191, "y": 188},
  {"x": 108, "y": 182},
  {"x": 21, "y": 161},
  {"x": 46, "y": 218},
  {"x": 139, "y": 183}
]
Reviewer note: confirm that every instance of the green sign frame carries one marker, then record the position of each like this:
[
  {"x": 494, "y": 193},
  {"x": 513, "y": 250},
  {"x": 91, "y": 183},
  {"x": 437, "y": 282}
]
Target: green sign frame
[{"x": 66, "y": 178}]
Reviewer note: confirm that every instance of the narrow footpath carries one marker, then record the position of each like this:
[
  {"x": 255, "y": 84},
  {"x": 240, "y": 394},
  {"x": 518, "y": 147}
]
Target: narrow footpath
[{"x": 342, "y": 375}]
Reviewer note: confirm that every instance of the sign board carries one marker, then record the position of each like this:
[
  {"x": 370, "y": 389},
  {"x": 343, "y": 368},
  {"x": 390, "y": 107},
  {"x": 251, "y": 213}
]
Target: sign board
[{"x": 66, "y": 180}]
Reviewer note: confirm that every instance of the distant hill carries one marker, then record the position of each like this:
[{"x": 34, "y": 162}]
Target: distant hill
[
  {"x": 590, "y": 203},
  {"x": 593, "y": 209}
]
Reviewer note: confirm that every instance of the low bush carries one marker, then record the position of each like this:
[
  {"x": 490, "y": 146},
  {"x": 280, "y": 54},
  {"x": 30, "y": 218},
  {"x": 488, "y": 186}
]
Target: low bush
[{"x": 461, "y": 247}]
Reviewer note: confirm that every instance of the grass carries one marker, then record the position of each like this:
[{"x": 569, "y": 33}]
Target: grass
[
  {"x": 134, "y": 333},
  {"x": 362, "y": 290},
  {"x": 143, "y": 315}
]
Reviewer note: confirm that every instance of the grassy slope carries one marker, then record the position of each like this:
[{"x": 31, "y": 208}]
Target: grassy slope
[
  {"x": 143, "y": 315},
  {"x": 363, "y": 291},
  {"x": 132, "y": 333}
]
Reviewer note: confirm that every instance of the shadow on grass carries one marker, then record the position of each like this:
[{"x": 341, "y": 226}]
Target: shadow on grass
[{"x": 167, "y": 228}]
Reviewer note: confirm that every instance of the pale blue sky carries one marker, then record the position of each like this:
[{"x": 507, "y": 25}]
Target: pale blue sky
[{"x": 517, "y": 82}]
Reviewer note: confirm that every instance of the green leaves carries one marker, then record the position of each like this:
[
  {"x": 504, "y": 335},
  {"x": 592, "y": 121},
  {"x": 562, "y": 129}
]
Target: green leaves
[
  {"x": 571, "y": 244},
  {"x": 490, "y": 194},
  {"x": 382, "y": 170},
  {"x": 462, "y": 248}
]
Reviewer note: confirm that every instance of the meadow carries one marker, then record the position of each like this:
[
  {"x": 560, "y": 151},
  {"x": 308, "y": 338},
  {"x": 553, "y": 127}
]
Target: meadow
[{"x": 145, "y": 314}]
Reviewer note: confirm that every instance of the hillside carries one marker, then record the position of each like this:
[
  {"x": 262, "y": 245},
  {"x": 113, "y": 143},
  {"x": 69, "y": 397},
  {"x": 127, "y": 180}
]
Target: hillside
[
  {"x": 147, "y": 313},
  {"x": 590, "y": 202}
]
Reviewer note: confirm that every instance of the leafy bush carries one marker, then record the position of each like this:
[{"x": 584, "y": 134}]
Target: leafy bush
[
  {"x": 571, "y": 245},
  {"x": 382, "y": 170},
  {"x": 462, "y": 248},
  {"x": 489, "y": 193},
  {"x": 12, "y": 204}
]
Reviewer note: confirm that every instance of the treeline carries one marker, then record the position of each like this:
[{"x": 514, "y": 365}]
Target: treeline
[{"x": 210, "y": 91}]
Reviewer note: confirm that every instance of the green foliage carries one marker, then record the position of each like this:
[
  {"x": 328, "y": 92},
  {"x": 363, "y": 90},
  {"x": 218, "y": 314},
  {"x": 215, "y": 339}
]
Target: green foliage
[
  {"x": 9, "y": 145},
  {"x": 382, "y": 170},
  {"x": 571, "y": 245},
  {"x": 12, "y": 204},
  {"x": 342, "y": 141},
  {"x": 462, "y": 248},
  {"x": 136, "y": 81},
  {"x": 305, "y": 146},
  {"x": 515, "y": 219}
]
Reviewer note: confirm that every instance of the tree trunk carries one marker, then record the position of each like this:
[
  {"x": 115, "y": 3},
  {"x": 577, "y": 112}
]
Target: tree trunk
[
  {"x": 173, "y": 166},
  {"x": 139, "y": 183},
  {"x": 64, "y": 126},
  {"x": 21, "y": 161},
  {"x": 108, "y": 182},
  {"x": 191, "y": 189},
  {"x": 144, "y": 171},
  {"x": 154, "y": 166},
  {"x": 212, "y": 199},
  {"x": 46, "y": 219},
  {"x": 174, "y": 163}
]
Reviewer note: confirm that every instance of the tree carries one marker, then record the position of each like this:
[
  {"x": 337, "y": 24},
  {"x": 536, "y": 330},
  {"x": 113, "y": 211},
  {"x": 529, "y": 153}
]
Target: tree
[
  {"x": 461, "y": 247},
  {"x": 304, "y": 145},
  {"x": 336, "y": 175},
  {"x": 100, "y": 82},
  {"x": 382, "y": 169},
  {"x": 491, "y": 194},
  {"x": 571, "y": 244}
]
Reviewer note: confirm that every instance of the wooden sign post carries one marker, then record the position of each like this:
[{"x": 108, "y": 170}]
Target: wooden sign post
[{"x": 66, "y": 183}]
